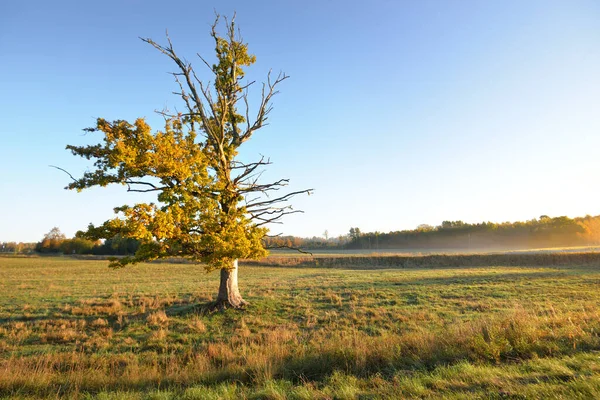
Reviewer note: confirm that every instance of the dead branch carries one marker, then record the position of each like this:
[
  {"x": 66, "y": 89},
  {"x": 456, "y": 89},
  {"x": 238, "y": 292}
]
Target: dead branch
[
  {"x": 290, "y": 248},
  {"x": 279, "y": 199},
  {"x": 65, "y": 171},
  {"x": 213, "y": 106}
]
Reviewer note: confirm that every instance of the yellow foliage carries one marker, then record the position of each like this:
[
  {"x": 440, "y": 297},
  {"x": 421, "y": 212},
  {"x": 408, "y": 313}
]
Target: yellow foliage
[{"x": 191, "y": 166}]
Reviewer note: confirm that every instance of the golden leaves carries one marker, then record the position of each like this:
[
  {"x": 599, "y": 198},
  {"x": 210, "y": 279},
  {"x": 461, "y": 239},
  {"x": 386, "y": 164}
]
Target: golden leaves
[{"x": 199, "y": 212}]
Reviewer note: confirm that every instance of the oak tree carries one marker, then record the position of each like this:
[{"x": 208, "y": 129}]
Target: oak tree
[{"x": 211, "y": 207}]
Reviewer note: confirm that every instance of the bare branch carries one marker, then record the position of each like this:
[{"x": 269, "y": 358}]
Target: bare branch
[
  {"x": 265, "y": 188},
  {"x": 188, "y": 73},
  {"x": 279, "y": 199},
  {"x": 204, "y": 61},
  {"x": 65, "y": 171},
  {"x": 153, "y": 187},
  {"x": 288, "y": 247},
  {"x": 248, "y": 170},
  {"x": 130, "y": 182},
  {"x": 268, "y": 91},
  {"x": 239, "y": 165},
  {"x": 129, "y": 189}
]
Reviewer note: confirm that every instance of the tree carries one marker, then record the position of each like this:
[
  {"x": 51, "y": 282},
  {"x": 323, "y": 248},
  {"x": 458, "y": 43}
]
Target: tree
[
  {"x": 355, "y": 234},
  {"x": 51, "y": 242},
  {"x": 77, "y": 245},
  {"x": 211, "y": 207},
  {"x": 425, "y": 228}
]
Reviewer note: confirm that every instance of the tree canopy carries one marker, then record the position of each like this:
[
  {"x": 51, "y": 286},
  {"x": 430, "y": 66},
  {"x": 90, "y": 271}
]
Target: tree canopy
[{"x": 210, "y": 206}]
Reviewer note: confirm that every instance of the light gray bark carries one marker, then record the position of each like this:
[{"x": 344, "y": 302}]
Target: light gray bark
[{"x": 229, "y": 293}]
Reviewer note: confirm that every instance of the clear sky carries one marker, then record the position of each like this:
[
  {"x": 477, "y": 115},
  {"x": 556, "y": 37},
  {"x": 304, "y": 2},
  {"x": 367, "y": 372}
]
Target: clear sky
[{"x": 397, "y": 112}]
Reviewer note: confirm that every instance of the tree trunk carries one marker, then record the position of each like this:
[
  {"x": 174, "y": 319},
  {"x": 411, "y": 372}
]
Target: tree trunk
[{"x": 229, "y": 294}]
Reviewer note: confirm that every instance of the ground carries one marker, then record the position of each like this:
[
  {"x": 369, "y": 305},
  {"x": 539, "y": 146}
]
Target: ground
[{"x": 76, "y": 329}]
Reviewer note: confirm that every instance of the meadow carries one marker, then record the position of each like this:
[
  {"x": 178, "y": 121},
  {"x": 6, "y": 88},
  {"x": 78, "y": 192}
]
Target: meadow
[{"x": 76, "y": 329}]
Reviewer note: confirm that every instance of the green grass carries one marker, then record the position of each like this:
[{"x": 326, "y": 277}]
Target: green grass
[{"x": 76, "y": 329}]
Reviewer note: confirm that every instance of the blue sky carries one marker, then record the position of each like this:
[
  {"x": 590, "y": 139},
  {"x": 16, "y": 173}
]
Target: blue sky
[{"x": 397, "y": 113}]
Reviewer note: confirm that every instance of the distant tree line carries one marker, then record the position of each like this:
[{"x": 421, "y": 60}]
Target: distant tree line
[
  {"x": 458, "y": 235},
  {"x": 536, "y": 233},
  {"x": 314, "y": 243},
  {"x": 452, "y": 235},
  {"x": 55, "y": 242},
  {"x": 17, "y": 247}
]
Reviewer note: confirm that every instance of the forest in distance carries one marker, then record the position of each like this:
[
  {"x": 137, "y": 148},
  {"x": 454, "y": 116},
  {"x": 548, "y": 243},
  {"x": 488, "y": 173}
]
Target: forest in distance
[{"x": 542, "y": 232}]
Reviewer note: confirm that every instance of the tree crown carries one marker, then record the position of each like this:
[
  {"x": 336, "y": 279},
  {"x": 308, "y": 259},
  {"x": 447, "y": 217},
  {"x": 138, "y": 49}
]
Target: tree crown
[{"x": 210, "y": 207}]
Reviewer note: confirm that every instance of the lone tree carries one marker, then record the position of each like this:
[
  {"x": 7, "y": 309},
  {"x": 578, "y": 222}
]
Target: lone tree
[{"x": 211, "y": 207}]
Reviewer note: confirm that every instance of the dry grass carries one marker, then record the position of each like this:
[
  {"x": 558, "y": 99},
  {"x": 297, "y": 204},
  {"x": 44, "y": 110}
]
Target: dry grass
[
  {"x": 309, "y": 333},
  {"x": 158, "y": 318}
]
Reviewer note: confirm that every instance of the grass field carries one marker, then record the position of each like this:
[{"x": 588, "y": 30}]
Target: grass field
[{"x": 76, "y": 329}]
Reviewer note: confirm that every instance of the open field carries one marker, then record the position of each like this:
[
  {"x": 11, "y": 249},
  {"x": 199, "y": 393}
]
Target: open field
[{"x": 75, "y": 329}]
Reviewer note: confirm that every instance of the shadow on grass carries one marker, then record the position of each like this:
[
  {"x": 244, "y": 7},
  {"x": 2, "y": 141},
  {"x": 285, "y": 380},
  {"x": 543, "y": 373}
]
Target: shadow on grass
[{"x": 202, "y": 309}]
